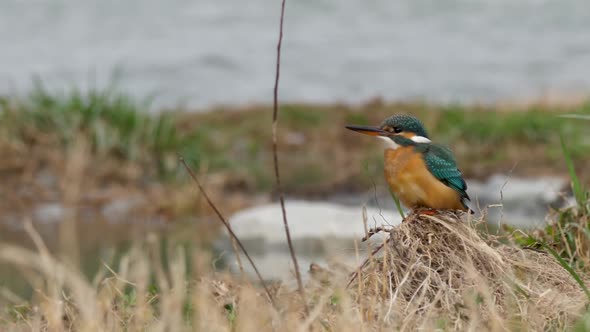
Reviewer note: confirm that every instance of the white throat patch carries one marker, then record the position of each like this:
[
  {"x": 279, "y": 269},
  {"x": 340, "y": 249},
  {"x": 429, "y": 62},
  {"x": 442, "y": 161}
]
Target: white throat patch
[
  {"x": 389, "y": 143},
  {"x": 420, "y": 139}
]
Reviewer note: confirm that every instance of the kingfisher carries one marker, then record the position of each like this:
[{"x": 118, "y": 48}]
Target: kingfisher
[{"x": 420, "y": 173}]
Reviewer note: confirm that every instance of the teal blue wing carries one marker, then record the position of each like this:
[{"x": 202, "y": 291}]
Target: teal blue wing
[{"x": 441, "y": 163}]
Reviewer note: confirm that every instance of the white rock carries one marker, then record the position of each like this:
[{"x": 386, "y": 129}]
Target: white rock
[
  {"x": 307, "y": 220},
  {"x": 541, "y": 190},
  {"x": 320, "y": 231},
  {"x": 522, "y": 202},
  {"x": 120, "y": 210},
  {"x": 49, "y": 213},
  {"x": 295, "y": 138}
]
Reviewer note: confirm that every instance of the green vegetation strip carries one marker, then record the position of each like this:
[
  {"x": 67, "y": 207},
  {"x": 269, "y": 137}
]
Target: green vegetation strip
[{"x": 317, "y": 154}]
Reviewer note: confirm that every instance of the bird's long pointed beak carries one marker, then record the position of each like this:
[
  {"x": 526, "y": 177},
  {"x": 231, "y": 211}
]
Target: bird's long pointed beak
[{"x": 368, "y": 130}]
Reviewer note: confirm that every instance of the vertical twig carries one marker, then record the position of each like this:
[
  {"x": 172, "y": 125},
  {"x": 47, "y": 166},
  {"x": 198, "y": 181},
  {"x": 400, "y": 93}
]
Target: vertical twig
[
  {"x": 275, "y": 111},
  {"x": 234, "y": 246},
  {"x": 502, "y": 195},
  {"x": 229, "y": 229}
]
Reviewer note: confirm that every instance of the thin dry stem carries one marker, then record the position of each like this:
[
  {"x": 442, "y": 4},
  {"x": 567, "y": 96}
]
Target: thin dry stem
[
  {"x": 372, "y": 232},
  {"x": 229, "y": 230},
  {"x": 365, "y": 262},
  {"x": 275, "y": 112}
]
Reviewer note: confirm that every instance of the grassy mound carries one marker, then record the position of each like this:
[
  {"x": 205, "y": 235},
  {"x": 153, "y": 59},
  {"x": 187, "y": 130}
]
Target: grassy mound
[{"x": 439, "y": 271}]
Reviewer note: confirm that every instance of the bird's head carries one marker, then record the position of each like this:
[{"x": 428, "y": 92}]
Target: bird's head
[{"x": 394, "y": 128}]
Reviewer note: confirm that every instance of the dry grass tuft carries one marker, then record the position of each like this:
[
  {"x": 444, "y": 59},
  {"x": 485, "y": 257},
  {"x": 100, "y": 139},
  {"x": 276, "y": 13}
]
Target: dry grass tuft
[{"x": 438, "y": 269}]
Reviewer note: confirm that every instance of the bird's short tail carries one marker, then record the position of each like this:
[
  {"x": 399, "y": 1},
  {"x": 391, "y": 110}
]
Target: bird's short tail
[{"x": 467, "y": 208}]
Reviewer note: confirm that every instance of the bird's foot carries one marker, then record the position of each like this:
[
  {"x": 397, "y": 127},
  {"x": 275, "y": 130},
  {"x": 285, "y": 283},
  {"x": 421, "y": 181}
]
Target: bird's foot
[
  {"x": 420, "y": 211},
  {"x": 427, "y": 211}
]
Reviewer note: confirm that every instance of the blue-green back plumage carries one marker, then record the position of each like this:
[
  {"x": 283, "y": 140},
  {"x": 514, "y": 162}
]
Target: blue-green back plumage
[{"x": 441, "y": 163}]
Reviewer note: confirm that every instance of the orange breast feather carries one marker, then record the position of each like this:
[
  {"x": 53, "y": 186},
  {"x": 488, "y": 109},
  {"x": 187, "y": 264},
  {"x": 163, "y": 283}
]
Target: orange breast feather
[{"x": 414, "y": 185}]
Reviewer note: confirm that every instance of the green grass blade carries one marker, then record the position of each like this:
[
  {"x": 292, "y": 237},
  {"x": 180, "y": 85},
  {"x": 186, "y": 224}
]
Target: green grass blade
[
  {"x": 575, "y": 116},
  {"x": 397, "y": 204},
  {"x": 576, "y": 184},
  {"x": 568, "y": 268}
]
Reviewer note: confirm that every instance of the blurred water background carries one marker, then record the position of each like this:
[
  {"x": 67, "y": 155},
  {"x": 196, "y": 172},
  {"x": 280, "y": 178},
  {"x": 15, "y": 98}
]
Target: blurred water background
[{"x": 206, "y": 52}]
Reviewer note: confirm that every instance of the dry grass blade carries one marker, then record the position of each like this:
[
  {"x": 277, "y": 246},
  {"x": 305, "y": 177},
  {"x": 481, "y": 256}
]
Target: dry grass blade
[
  {"x": 229, "y": 230},
  {"x": 356, "y": 273},
  {"x": 568, "y": 268},
  {"x": 275, "y": 111},
  {"x": 57, "y": 274}
]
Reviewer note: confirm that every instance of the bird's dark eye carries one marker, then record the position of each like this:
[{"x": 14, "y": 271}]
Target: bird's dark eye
[{"x": 397, "y": 130}]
